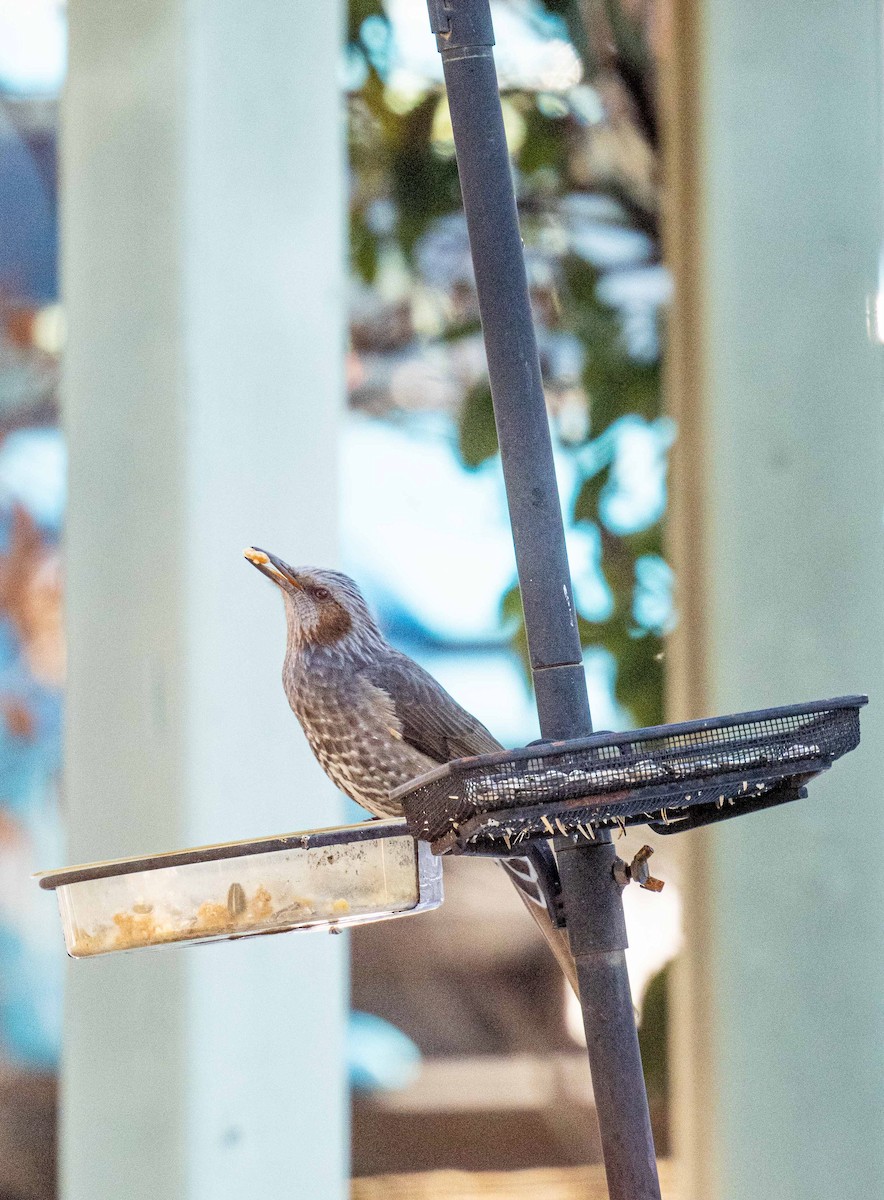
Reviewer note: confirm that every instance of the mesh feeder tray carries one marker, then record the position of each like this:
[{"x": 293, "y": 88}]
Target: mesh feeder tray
[
  {"x": 670, "y": 777},
  {"x": 319, "y": 879}
]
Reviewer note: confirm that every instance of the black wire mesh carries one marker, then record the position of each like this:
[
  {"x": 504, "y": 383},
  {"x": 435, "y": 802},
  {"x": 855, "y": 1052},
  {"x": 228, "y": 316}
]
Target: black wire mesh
[{"x": 740, "y": 763}]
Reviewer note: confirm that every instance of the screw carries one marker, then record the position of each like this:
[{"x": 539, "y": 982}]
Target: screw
[{"x": 637, "y": 871}]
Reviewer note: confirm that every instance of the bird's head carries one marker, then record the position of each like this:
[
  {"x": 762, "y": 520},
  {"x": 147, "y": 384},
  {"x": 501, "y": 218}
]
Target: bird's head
[{"x": 323, "y": 608}]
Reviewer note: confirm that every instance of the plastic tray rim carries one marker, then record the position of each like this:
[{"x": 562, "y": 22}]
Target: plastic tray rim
[{"x": 333, "y": 835}]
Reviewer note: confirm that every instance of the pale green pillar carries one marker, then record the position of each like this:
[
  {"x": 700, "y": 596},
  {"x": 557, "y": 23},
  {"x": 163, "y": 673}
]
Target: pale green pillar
[
  {"x": 203, "y": 185},
  {"x": 785, "y": 973}
]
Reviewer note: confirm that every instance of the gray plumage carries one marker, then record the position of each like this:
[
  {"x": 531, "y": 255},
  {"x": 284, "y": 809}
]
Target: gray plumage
[{"x": 374, "y": 718}]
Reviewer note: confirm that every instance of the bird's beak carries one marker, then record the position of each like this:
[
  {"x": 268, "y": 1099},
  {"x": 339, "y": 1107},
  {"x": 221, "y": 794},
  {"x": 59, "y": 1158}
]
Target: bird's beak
[{"x": 271, "y": 566}]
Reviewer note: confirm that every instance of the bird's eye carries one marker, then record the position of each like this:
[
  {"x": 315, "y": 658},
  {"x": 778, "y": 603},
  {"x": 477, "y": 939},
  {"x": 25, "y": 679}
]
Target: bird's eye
[{"x": 321, "y": 593}]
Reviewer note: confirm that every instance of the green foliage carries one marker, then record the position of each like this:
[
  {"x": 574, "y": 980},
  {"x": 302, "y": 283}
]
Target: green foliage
[
  {"x": 357, "y": 11},
  {"x": 639, "y": 684},
  {"x": 586, "y": 506},
  {"x": 514, "y": 617},
  {"x": 396, "y": 163},
  {"x": 478, "y": 433},
  {"x": 363, "y": 248},
  {"x": 545, "y": 144},
  {"x": 652, "y": 1034},
  {"x": 615, "y": 383},
  {"x": 424, "y": 184}
]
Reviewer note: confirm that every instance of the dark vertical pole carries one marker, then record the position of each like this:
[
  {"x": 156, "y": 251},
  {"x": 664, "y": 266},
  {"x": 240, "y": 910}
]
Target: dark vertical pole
[
  {"x": 593, "y": 907},
  {"x": 465, "y": 37}
]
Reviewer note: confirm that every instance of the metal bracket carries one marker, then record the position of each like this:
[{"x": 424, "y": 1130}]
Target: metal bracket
[
  {"x": 544, "y": 863},
  {"x": 536, "y": 875}
]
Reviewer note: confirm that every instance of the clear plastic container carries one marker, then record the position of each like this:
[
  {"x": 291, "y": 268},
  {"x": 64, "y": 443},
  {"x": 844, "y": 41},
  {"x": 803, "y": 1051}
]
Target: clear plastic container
[{"x": 321, "y": 879}]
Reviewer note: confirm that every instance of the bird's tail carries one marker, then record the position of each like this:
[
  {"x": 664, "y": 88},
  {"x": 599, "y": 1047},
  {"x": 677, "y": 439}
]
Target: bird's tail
[{"x": 526, "y": 879}]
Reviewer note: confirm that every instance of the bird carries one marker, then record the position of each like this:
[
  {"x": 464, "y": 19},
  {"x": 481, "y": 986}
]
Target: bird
[{"x": 373, "y": 717}]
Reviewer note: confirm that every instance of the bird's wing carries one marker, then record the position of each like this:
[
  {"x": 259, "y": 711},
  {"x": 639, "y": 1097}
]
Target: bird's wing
[
  {"x": 432, "y": 721},
  {"x": 436, "y": 725}
]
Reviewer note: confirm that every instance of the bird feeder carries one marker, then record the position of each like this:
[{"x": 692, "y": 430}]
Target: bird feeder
[
  {"x": 322, "y": 879},
  {"x": 668, "y": 777}
]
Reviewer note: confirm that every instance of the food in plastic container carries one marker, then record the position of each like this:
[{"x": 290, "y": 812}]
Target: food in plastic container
[{"x": 327, "y": 878}]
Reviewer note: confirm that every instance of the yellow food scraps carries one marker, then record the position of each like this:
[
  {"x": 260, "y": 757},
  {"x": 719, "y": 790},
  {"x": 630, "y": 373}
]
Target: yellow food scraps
[{"x": 238, "y": 914}]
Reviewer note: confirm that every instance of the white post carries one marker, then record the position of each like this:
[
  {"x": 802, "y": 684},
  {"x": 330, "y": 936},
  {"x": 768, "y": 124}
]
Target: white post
[
  {"x": 780, "y": 489},
  {"x": 202, "y": 163}
]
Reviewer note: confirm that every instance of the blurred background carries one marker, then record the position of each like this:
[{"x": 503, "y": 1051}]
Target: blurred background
[{"x": 261, "y": 233}]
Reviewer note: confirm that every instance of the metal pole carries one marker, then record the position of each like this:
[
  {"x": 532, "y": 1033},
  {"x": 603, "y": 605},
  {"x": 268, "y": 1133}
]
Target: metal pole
[{"x": 593, "y": 908}]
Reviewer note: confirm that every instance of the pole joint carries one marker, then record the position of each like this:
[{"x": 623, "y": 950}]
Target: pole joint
[
  {"x": 461, "y": 24},
  {"x": 593, "y": 909}
]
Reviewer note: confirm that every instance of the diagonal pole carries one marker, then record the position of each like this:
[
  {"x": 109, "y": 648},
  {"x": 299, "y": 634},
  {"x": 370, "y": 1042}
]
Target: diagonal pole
[{"x": 591, "y": 896}]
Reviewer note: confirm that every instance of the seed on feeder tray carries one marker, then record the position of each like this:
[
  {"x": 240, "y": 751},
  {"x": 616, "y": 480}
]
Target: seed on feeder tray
[
  {"x": 561, "y": 828},
  {"x": 236, "y": 901},
  {"x": 546, "y": 823},
  {"x": 800, "y": 751},
  {"x": 650, "y": 769}
]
